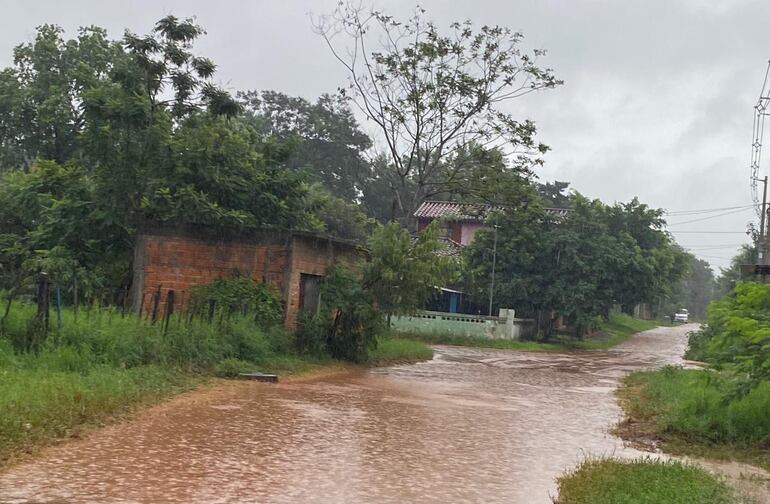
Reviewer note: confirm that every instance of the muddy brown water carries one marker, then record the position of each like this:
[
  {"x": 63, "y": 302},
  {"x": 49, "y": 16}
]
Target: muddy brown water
[{"x": 472, "y": 425}]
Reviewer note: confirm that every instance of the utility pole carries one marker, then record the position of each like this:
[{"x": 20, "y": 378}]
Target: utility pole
[
  {"x": 494, "y": 263},
  {"x": 762, "y": 242}
]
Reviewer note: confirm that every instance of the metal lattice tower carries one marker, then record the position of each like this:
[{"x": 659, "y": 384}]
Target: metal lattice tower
[{"x": 760, "y": 111}]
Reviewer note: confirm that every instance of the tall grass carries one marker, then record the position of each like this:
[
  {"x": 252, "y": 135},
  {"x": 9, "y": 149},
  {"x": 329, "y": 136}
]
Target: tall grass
[
  {"x": 701, "y": 406},
  {"x": 105, "y": 337},
  {"x": 392, "y": 349},
  {"x": 641, "y": 481},
  {"x": 38, "y": 405},
  {"x": 700, "y": 411},
  {"x": 101, "y": 363}
]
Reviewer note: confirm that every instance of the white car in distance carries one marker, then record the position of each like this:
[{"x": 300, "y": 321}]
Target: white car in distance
[{"x": 682, "y": 316}]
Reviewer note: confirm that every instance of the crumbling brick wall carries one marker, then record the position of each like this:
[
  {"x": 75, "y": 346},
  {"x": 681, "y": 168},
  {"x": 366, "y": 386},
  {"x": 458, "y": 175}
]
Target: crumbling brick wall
[{"x": 178, "y": 259}]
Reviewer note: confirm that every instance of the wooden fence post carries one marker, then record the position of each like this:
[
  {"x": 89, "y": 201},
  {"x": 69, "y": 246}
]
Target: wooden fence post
[
  {"x": 169, "y": 309},
  {"x": 58, "y": 308},
  {"x": 43, "y": 304},
  {"x": 155, "y": 304}
]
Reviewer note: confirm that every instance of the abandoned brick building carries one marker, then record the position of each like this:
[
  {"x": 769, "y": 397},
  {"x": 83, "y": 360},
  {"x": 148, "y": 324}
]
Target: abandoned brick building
[{"x": 175, "y": 259}]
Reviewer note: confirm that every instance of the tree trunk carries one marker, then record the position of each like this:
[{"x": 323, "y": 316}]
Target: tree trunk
[{"x": 11, "y": 296}]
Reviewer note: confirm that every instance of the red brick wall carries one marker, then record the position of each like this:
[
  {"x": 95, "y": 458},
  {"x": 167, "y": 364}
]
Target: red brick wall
[{"x": 181, "y": 260}]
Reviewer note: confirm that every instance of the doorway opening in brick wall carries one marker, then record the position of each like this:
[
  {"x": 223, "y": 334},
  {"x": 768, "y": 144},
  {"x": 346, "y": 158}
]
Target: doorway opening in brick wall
[{"x": 309, "y": 292}]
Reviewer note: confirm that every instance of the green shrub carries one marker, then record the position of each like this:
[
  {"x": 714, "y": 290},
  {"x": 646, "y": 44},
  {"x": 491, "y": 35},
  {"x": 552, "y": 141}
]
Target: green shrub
[
  {"x": 312, "y": 333},
  {"x": 239, "y": 295},
  {"x": 354, "y": 321},
  {"x": 737, "y": 334},
  {"x": 641, "y": 481},
  {"x": 280, "y": 341},
  {"x": 230, "y": 368}
]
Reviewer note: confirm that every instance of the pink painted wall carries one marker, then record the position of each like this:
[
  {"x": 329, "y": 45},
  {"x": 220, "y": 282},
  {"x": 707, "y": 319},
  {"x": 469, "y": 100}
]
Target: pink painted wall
[{"x": 469, "y": 231}]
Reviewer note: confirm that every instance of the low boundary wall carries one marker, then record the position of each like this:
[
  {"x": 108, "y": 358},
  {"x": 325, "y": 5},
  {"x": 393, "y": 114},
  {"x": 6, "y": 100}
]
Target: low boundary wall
[{"x": 504, "y": 326}]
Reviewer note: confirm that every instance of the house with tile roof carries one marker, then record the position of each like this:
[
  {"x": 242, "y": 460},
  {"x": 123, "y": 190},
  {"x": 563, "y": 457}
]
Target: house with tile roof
[{"x": 461, "y": 220}]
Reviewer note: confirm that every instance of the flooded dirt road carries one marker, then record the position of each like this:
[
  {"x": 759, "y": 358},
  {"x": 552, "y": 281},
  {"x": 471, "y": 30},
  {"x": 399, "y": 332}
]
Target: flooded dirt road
[{"x": 472, "y": 425}]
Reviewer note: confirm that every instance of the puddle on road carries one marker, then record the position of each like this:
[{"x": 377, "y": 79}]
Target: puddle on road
[{"x": 473, "y": 425}]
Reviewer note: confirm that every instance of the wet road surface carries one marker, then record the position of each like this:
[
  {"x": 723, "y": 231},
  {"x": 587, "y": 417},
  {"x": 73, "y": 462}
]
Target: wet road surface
[{"x": 472, "y": 425}]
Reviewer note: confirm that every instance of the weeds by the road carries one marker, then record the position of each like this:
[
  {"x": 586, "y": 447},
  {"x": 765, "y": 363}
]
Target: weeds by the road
[
  {"x": 698, "y": 412},
  {"x": 394, "y": 349},
  {"x": 100, "y": 365},
  {"x": 618, "y": 329},
  {"x": 720, "y": 412},
  {"x": 641, "y": 481}
]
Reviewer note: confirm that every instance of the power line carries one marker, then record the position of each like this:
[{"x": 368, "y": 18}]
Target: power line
[
  {"x": 711, "y": 216},
  {"x": 705, "y": 210},
  {"x": 707, "y": 232},
  {"x": 714, "y": 245},
  {"x": 714, "y": 257},
  {"x": 717, "y": 247}
]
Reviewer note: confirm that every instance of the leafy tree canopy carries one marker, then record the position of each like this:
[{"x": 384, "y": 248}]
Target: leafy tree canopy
[
  {"x": 98, "y": 137},
  {"x": 579, "y": 265},
  {"x": 431, "y": 93},
  {"x": 330, "y": 145}
]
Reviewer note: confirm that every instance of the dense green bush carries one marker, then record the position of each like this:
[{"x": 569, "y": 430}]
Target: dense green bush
[
  {"x": 240, "y": 295},
  {"x": 348, "y": 323},
  {"x": 312, "y": 333},
  {"x": 737, "y": 334}
]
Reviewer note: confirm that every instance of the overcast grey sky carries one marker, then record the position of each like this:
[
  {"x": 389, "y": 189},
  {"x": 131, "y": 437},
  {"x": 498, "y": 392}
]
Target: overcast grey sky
[{"x": 657, "y": 101}]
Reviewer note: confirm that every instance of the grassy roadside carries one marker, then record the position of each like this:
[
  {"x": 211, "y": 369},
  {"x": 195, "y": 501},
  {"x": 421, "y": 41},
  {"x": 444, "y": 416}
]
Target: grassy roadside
[
  {"x": 393, "y": 349},
  {"x": 616, "y": 330},
  {"x": 641, "y": 481},
  {"x": 100, "y": 367},
  {"x": 695, "y": 412}
]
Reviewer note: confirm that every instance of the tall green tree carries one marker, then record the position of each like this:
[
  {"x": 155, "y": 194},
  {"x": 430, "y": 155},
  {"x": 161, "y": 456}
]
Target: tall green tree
[
  {"x": 576, "y": 266},
  {"x": 110, "y": 135},
  {"x": 404, "y": 272},
  {"x": 730, "y": 277},
  {"x": 46, "y": 225},
  {"x": 431, "y": 93},
  {"x": 41, "y": 95},
  {"x": 554, "y": 194},
  {"x": 330, "y": 145}
]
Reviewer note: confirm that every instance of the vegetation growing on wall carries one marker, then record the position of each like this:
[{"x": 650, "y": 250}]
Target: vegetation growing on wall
[
  {"x": 237, "y": 296},
  {"x": 402, "y": 273}
]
